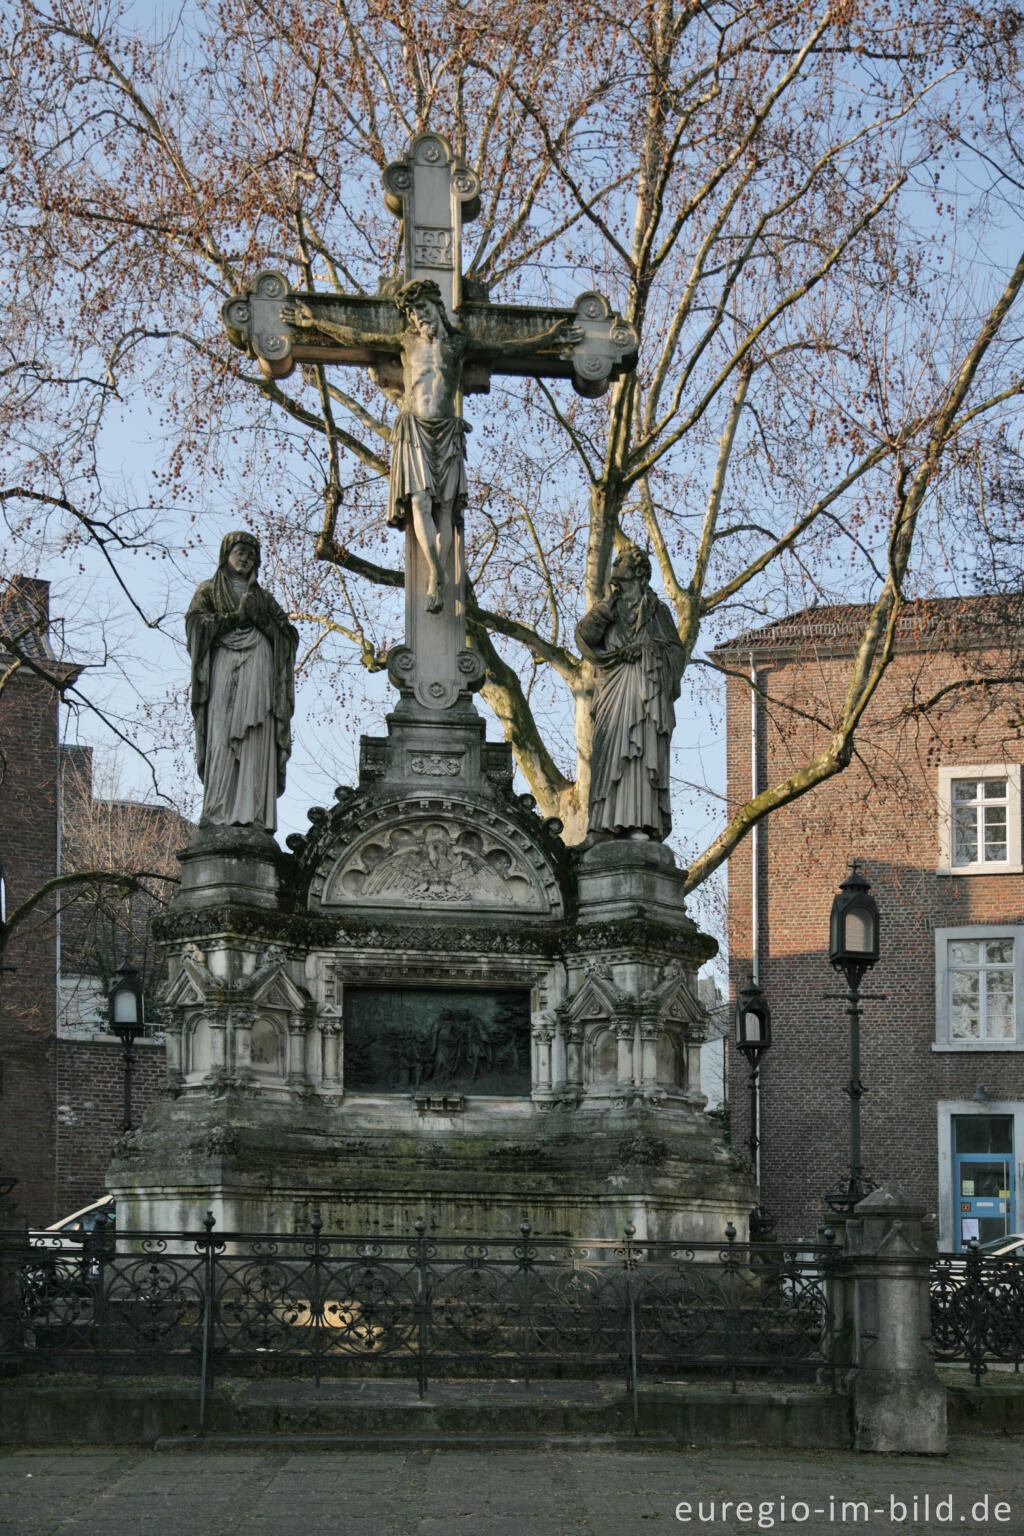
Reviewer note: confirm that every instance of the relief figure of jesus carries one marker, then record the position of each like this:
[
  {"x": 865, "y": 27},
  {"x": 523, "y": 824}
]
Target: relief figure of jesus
[{"x": 428, "y": 462}]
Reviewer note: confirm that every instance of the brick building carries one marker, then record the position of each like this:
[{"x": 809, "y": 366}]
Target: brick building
[
  {"x": 60, "y": 1072},
  {"x": 931, "y": 806}
]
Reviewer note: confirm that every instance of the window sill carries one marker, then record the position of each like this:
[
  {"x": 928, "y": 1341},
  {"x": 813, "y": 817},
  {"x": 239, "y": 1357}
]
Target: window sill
[
  {"x": 980, "y": 869},
  {"x": 973, "y": 1047}
]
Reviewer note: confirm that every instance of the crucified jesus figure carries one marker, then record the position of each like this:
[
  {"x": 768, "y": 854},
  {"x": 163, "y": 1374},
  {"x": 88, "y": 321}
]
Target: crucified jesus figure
[{"x": 428, "y": 464}]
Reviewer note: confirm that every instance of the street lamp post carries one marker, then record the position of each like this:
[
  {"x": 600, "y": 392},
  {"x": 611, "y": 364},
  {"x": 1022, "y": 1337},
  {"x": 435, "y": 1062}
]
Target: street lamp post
[
  {"x": 127, "y": 1021},
  {"x": 853, "y": 950},
  {"x": 753, "y": 1038}
]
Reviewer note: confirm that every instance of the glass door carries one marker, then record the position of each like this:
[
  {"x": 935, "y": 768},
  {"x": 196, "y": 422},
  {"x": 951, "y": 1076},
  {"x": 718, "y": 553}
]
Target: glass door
[{"x": 983, "y": 1188}]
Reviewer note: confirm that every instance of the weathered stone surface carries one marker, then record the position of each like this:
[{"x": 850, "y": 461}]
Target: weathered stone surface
[
  {"x": 378, "y": 1164},
  {"x": 261, "y": 1121},
  {"x": 899, "y": 1403}
]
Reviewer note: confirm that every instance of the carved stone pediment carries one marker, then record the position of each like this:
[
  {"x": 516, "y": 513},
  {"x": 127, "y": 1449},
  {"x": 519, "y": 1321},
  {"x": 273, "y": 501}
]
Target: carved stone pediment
[
  {"x": 183, "y": 992},
  {"x": 193, "y": 983},
  {"x": 434, "y": 853},
  {"x": 675, "y": 1001},
  {"x": 596, "y": 999},
  {"x": 279, "y": 991}
]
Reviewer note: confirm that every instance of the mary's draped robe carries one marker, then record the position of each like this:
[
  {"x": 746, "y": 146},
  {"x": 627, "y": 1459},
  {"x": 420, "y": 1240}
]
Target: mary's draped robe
[{"x": 242, "y": 699}]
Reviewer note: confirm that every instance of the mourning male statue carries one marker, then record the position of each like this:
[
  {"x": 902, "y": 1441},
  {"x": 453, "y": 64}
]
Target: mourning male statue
[
  {"x": 638, "y": 661},
  {"x": 243, "y": 689},
  {"x": 428, "y": 464}
]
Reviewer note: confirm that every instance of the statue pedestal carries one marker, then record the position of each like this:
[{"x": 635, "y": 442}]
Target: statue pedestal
[
  {"x": 431, "y": 1007},
  {"x": 231, "y": 865}
]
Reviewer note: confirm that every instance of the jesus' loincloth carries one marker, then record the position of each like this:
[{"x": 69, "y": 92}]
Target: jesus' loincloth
[{"x": 427, "y": 456}]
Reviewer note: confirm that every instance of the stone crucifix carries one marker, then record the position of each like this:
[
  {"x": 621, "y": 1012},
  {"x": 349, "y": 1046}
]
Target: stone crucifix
[{"x": 421, "y": 336}]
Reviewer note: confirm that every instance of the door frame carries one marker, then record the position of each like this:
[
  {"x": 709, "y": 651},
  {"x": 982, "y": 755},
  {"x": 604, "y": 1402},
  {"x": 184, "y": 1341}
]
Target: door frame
[{"x": 947, "y": 1108}]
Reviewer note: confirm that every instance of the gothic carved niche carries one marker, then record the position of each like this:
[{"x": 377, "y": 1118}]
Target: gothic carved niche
[
  {"x": 267, "y": 1049},
  {"x": 671, "y": 1058},
  {"x": 436, "y": 861}
]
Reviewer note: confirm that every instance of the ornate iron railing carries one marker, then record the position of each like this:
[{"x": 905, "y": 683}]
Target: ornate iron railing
[
  {"x": 420, "y": 1306},
  {"x": 977, "y": 1303}
]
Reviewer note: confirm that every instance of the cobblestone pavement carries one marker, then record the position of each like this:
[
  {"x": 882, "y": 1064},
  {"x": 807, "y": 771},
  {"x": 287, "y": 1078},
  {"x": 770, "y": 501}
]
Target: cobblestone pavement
[{"x": 560, "y": 1491}]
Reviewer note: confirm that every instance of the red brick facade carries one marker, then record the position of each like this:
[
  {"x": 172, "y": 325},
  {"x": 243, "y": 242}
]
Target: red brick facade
[
  {"x": 89, "y": 1108},
  {"x": 961, "y": 660},
  {"x": 60, "y": 1100}
]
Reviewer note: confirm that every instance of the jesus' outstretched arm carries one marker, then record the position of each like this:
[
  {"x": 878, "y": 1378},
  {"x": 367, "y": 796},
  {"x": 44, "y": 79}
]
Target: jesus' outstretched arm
[
  {"x": 300, "y": 315},
  {"x": 560, "y": 337}
]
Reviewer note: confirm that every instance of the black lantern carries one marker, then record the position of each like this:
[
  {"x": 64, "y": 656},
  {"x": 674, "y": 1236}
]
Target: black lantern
[
  {"x": 753, "y": 1038},
  {"x": 127, "y": 1016},
  {"x": 753, "y": 1022},
  {"x": 853, "y": 949},
  {"x": 853, "y": 931}
]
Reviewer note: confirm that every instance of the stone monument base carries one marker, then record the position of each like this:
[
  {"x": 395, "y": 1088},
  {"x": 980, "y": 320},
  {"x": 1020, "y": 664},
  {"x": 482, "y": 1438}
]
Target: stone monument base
[
  {"x": 376, "y": 1166},
  {"x": 431, "y": 1007}
]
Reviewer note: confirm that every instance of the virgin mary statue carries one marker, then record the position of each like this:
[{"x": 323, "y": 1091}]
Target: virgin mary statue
[{"x": 243, "y": 690}]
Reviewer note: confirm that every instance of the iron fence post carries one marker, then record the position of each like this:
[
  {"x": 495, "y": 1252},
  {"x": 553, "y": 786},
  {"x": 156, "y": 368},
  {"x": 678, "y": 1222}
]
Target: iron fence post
[
  {"x": 525, "y": 1255},
  {"x": 316, "y": 1300},
  {"x": 207, "y": 1246},
  {"x": 830, "y": 1265},
  {"x": 732, "y": 1310},
  {"x": 974, "y": 1296},
  {"x": 422, "y": 1303},
  {"x": 632, "y": 1358}
]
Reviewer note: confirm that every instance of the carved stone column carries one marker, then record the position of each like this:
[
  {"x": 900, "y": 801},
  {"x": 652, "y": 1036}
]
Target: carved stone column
[
  {"x": 625, "y": 1035},
  {"x": 242, "y": 1020},
  {"x": 572, "y": 1034},
  {"x": 543, "y": 1035},
  {"x": 174, "y": 1045},
  {"x": 298, "y": 1030},
  {"x": 217, "y": 1024},
  {"x": 650, "y": 1031},
  {"x": 331, "y": 1028}
]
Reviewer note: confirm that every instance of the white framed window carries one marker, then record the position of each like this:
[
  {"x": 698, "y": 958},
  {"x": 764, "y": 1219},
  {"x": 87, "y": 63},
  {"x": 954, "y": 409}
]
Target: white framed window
[
  {"x": 980, "y": 819},
  {"x": 979, "y": 989}
]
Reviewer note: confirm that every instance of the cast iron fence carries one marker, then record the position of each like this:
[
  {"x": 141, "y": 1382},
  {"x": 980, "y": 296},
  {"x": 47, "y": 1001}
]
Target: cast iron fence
[
  {"x": 978, "y": 1309},
  {"x": 419, "y": 1307}
]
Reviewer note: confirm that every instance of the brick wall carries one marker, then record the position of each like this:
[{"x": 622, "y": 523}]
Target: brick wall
[
  {"x": 884, "y": 810},
  {"x": 28, "y": 994},
  {"x": 89, "y": 1110}
]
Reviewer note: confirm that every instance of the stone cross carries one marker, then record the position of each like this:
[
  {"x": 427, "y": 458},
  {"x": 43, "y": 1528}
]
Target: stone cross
[{"x": 433, "y": 192}]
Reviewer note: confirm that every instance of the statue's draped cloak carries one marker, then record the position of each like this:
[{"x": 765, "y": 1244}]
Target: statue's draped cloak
[
  {"x": 638, "y": 662},
  {"x": 243, "y": 697}
]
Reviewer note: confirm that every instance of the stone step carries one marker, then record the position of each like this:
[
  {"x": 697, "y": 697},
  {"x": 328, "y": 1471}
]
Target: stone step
[{"x": 166, "y": 1413}]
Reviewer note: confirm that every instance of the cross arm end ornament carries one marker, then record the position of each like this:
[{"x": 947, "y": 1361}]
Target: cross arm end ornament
[{"x": 278, "y": 326}]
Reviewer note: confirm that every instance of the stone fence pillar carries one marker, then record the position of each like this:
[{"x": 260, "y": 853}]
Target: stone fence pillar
[{"x": 899, "y": 1404}]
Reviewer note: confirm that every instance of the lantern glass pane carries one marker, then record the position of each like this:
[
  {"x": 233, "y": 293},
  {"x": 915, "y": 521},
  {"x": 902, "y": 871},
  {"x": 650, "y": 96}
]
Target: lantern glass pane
[
  {"x": 858, "y": 931},
  {"x": 753, "y": 1029},
  {"x": 126, "y": 1007}
]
